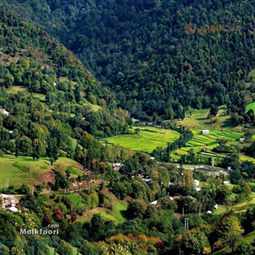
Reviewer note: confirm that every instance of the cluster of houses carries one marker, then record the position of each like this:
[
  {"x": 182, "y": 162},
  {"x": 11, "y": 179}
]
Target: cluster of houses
[{"x": 9, "y": 202}]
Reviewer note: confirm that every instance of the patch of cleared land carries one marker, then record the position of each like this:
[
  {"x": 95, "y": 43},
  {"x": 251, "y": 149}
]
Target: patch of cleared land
[
  {"x": 146, "y": 140},
  {"x": 63, "y": 164},
  {"x": 197, "y": 121},
  {"x": 15, "y": 171},
  {"x": 15, "y": 90},
  {"x": 114, "y": 214},
  {"x": 237, "y": 208},
  {"x": 18, "y": 89}
]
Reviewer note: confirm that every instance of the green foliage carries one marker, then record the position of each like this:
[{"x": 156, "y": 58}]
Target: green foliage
[
  {"x": 153, "y": 69},
  {"x": 244, "y": 249},
  {"x": 48, "y": 101},
  {"x": 229, "y": 230},
  {"x": 146, "y": 140},
  {"x": 194, "y": 242}
]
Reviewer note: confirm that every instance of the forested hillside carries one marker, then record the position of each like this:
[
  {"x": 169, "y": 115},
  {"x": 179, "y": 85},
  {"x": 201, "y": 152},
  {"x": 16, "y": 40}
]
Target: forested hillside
[
  {"x": 78, "y": 176},
  {"x": 48, "y": 101},
  {"x": 158, "y": 56}
]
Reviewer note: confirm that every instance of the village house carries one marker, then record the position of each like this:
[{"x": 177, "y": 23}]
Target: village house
[
  {"x": 196, "y": 185},
  {"x": 242, "y": 139},
  {"x": 135, "y": 120},
  {"x": 116, "y": 166},
  {"x": 205, "y": 132},
  {"x": 4, "y": 112},
  {"x": 9, "y": 202},
  {"x": 154, "y": 202}
]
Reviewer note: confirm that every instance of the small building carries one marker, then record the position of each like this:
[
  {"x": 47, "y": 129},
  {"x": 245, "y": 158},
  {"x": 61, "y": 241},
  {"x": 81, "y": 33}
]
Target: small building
[
  {"x": 134, "y": 120},
  {"x": 4, "y": 112},
  {"x": 116, "y": 166},
  {"x": 226, "y": 182},
  {"x": 229, "y": 168},
  {"x": 9, "y": 202},
  {"x": 197, "y": 189},
  {"x": 205, "y": 132},
  {"x": 242, "y": 139},
  {"x": 154, "y": 202},
  {"x": 196, "y": 185}
]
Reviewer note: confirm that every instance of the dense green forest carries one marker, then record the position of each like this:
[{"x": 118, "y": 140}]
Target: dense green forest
[
  {"x": 159, "y": 57},
  {"x": 48, "y": 100},
  {"x": 178, "y": 178}
]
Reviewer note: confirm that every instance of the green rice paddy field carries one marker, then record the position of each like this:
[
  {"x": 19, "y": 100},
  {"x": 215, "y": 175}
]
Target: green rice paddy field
[
  {"x": 197, "y": 121},
  {"x": 148, "y": 139},
  {"x": 206, "y": 143}
]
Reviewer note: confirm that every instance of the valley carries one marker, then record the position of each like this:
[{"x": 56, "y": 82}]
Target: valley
[{"x": 127, "y": 127}]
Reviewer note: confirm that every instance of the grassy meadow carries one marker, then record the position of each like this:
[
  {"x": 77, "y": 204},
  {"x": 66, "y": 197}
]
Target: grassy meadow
[
  {"x": 250, "y": 106},
  {"x": 111, "y": 211},
  {"x": 15, "y": 171},
  {"x": 146, "y": 140},
  {"x": 62, "y": 164}
]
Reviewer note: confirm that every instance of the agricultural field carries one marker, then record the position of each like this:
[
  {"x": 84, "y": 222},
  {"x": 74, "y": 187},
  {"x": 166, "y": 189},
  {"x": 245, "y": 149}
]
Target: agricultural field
[
  {"x": 197, "y": 121},
  {"x": 250, "y": 106},
  {"x": 144, "y": 139}
]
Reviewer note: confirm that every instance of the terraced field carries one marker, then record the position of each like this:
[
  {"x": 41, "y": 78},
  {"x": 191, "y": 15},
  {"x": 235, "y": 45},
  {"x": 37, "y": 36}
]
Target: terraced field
[
  {"x": 198, "y": 120},
  {"x": 208, "y": 142},
  {"x": 211, "y": 139},
  {"x": 146, "y": 139}
]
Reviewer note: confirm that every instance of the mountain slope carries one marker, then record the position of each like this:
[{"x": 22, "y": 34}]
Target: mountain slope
[
  {"x": 158, "y": 56},
  {"x": 48, "y": 101}
]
